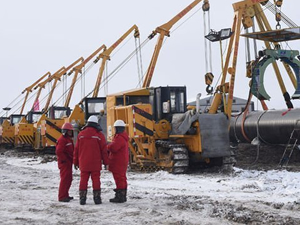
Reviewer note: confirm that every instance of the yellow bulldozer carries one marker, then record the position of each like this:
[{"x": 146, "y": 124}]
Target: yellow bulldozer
[{"x": 164, "y": 134}]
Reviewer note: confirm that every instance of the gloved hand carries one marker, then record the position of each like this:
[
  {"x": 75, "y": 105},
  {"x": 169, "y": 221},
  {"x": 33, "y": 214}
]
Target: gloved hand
[{"x": 76, "y": 167}]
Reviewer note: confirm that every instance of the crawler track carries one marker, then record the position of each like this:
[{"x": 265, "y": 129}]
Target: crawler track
[{"x": 179, "y": 155}]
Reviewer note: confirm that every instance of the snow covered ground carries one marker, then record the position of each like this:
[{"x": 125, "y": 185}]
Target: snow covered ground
[{"x": 29, "y": 196}]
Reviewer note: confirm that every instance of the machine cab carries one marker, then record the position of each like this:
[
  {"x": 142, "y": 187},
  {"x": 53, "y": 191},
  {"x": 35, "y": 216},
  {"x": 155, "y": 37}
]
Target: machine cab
[
  {"x": 15, "y": 118},
  {"x": 58, "y": 112},
  {"x": 167, "y": 101},
  {"x": 33, "y": 117},
  {"x": 96, "y": 107}
]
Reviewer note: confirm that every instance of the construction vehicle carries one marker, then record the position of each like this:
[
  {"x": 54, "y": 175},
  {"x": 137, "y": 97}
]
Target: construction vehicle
[
  {"x": 47, "y": 122},
  {"x": 25, "y": 130},
  {"x": 163, "y": 133},
  {"x": 10, "y": 123},
  {"x": 96, "y": 105},
  {"x": 50, "y": 127}
]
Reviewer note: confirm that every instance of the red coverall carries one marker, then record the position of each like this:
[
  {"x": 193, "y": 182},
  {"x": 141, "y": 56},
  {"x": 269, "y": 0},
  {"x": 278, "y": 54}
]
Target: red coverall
[
  {"x": 90, "y": 151},
  {"x": 64, "y": 152},
  {"x": 118, "y": 159}
]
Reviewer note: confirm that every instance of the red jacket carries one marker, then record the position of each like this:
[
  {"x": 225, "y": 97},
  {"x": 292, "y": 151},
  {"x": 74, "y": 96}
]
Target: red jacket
[
  {"x": 64, "y": 150},
  {"x": 90, "y": 150},
  {"x": 118, "y": 153}
]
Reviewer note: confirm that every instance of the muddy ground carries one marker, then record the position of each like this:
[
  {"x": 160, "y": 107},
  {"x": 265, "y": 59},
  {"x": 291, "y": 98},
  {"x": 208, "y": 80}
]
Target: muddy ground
[{"x": 265, "y": 157}]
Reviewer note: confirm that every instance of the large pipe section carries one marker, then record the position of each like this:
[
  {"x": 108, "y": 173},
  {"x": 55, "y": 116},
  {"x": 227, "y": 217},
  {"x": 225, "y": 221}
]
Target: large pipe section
[{"x": 271, "y": 126}]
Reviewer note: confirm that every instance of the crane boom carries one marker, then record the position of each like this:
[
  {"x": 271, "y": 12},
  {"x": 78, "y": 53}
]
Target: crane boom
[
  {"x": 105, "y": 55},
  {"x": 29, "y": 89},
  {"x": 164, "y": 30},
  {"x": 42, "y": 84},
  {"x": 57, "y": 78},
  {"x": 77, "y": 70}
]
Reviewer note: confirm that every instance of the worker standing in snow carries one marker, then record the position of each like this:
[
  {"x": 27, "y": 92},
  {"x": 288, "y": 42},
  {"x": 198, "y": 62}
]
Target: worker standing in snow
[
  {"x": 64, "y": 152},
  {"x": 90, "y": 151},
  {"x": 118, "y": 161}
]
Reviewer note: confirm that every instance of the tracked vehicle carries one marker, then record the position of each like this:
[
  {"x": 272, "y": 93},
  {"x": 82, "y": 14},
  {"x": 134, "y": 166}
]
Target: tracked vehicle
[{"x": 163, "y": 133}]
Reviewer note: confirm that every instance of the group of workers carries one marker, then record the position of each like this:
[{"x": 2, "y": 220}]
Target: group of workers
[{"x": 88, "y": 155}]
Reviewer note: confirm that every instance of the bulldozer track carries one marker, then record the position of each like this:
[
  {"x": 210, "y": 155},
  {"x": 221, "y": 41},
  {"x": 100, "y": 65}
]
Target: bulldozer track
[
  {"x": 180, "y": 156},
  {"x": 229, "y": 162},
  {"x": 176, "y": 156}
]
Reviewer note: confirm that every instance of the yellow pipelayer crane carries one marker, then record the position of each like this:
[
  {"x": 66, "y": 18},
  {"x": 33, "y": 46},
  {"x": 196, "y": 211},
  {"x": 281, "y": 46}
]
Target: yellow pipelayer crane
[
  {"x": 8, "y": 127},
  {"x": 163, "y": 134},
  {"x": 25, "y": 129},
  {"x": 76, "y": 114},
  {"x": 49, "y": 125},
  {"x": 94, "y": 105},
  {"x": 58, "y": 115}
]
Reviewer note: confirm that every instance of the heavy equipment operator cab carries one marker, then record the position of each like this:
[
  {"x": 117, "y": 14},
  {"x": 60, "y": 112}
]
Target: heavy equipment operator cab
[
  {"x": 15, "y": 118},
  {"x": 96, "y": 107},
  {"x": 33, "y": 117},
  {"x": 167, "y": 101},
  {"x": 58, "y": 112}
]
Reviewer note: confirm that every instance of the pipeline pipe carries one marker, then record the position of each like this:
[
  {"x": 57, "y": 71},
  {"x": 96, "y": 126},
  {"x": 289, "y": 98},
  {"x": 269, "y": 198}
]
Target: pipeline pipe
[{"x": 270, "y": 127}]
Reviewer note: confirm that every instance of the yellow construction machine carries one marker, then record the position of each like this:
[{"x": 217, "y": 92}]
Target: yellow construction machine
[
  {"x": 48, "y": 123},
  {"x": 163, "y": 133},
  {"x": 49, "y": 129},
  {"x": 9, "y": 124},
  {"x": 96, "y": 105},
  {"x": 25, "y": 128},
  {"x": 26, "y": 135}
]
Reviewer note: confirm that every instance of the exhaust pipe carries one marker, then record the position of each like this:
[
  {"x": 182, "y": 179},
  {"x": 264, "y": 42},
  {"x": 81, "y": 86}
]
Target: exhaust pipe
[{"x": 198, "y": 102}]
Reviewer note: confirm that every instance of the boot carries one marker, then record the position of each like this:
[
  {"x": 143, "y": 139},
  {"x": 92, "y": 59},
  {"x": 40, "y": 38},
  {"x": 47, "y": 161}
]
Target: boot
[
  {"x": 114, "y": 199},
  {"x": 97, "y": 197},
  {"x": 82, "y": 197},
  {"x": 125, "y": 195},
  {"x": 120, "y": 196}
]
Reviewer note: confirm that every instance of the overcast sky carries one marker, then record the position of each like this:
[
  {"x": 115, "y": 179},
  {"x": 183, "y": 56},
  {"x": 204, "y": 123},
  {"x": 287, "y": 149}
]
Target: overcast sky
[{"x": 41, "y": 36}]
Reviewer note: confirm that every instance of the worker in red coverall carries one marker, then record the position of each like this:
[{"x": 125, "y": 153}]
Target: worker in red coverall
[
  {"x": 90, "y": 152},
  {"x": 64, "y": 152},
  {"x": 118, "y": 161}
]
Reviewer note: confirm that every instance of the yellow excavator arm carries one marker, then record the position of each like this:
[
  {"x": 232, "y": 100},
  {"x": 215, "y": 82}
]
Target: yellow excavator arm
[
  {"x": 57, "y": 78},
  {"x": 29, "y": 89},
  {"x": 78, "y": 69},
  {"x": 43, "y": 84},
  {"x": 105, "y": 55},
  {"x": 163, "y": 30}
]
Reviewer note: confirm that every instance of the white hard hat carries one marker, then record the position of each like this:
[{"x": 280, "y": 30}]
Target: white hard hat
[
  {"x": 119, "y": 123},
  {"x": 93, "y": 119}
]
